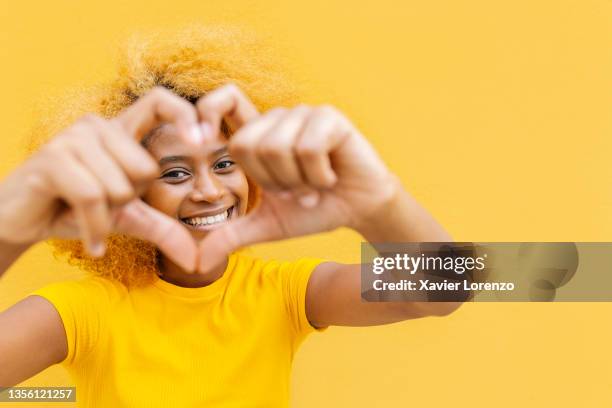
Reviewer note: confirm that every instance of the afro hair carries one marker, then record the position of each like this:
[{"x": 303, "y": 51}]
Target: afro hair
[{"x": 190, "y": 62}]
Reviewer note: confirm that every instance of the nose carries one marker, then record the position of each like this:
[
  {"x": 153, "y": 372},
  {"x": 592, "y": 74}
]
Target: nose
[{"x": 207, "y": 187}]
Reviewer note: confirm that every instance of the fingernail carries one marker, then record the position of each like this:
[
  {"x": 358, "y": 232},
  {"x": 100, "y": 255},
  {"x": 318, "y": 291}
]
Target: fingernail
[
  {"x": 207, "y": 266},
  {"x": 201, "y": 266},
  {"x": 202, "y": 270},
  {"x": 284, "y": 195},
  {"x": 195, "y": 134},
  {"x": 309, "y": 200},
  {"x": 188, "y": 267},
  {"x": 97, "y": 249},
  {"x": 206, "y": 130},
  {"x": 192, "y": 267},
  {"x": 333, "y": 179}
]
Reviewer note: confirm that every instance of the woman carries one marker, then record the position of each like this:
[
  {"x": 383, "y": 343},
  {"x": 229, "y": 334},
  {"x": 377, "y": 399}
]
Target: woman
[{"x": 164, "y": 184}]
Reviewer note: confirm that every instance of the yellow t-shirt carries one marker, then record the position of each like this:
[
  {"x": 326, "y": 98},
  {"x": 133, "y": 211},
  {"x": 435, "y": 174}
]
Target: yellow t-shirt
[{"x": 228, "y": 344}]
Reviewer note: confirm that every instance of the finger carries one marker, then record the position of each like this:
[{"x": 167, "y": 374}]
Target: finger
[
  {"x": 244, "y": 144},
  {"x": 137, "y": 164},
  {"x": 244, "y": 231},
  {"x": 227, "y": 102},
  {"x": 84, "y": 194},
  {"x": 276, "y": 148},
  {"x": 324, "y": 132},
  {"x": 142, "y": 221},
  {"x": 157, "y": 107},
  {"x": 65, "y": 225},
  {"x": 91, "y": 154}
]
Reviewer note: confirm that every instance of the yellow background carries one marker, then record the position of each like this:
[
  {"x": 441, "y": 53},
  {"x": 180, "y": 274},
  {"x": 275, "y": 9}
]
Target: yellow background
[{"x": 495, "y": 113}]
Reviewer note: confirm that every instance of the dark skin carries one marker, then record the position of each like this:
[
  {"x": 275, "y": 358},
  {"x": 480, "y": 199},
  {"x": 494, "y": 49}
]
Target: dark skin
[
  {"x": 194, "y": 181},
  {"x": 317, "y": 172}
]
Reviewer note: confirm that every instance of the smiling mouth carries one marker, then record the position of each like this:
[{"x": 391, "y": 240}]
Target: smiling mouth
[{"x": 209, "y": 222}]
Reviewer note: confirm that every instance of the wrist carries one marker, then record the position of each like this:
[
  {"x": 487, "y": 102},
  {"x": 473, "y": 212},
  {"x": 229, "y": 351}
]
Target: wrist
[
  {"x": 400, "y": 218},
  {"x": 9, "y": 253},
  {"x": 14, "y": 248},
  {"x": 385, "y": 208}
]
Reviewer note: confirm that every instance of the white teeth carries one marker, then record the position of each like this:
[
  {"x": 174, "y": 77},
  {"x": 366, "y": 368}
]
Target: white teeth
[{"x": 213, "y": 219}]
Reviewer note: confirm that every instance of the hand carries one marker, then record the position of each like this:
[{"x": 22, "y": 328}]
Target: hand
[
  {"x": 317, "y": 172},
  {"x": 86, "y": 181}
]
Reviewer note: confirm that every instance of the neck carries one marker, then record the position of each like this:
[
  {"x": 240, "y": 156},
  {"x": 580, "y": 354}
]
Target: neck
[{"x": 174, "y": 274}]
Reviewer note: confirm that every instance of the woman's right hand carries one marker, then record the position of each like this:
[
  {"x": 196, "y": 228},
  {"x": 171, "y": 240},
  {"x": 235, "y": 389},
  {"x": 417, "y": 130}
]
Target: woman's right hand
[{"x": 86, "y": 182}]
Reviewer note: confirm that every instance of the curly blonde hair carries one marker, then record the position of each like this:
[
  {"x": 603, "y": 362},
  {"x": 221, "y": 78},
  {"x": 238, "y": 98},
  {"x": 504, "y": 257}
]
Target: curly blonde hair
[{"x": 191, "y": 62}]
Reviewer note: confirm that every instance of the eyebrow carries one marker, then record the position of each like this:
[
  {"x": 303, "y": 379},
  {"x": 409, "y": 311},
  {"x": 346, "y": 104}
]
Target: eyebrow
[{"x": 180, "y": 158}]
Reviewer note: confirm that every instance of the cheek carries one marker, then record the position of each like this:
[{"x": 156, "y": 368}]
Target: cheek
[
  {"x": 239, "y": 186},
  {"x": 165, "y": 197}
]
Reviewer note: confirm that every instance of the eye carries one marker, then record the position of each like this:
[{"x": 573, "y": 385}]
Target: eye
[
  {"x": 223, "y": 164},
  {"x": 175, "y": 174}
]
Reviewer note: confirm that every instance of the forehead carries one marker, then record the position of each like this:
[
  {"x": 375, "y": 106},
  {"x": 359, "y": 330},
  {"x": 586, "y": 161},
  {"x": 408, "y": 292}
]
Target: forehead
[{"x": 166, "y": 138}]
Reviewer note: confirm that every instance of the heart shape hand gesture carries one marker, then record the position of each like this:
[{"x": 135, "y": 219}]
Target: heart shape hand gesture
[{"x": 317, "y": 173}]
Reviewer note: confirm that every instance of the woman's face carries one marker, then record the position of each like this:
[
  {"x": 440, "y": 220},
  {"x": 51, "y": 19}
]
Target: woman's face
[{"x": 202, "y": 187}]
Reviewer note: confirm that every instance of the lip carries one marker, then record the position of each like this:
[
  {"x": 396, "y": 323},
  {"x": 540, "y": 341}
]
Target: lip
[
  {"x": 206, "y": 214},
  {"x": 209, "y": 212}
]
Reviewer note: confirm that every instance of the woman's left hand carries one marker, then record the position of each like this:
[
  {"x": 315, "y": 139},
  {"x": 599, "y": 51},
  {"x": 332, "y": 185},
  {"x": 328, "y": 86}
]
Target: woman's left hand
[{"x": 316, "y": 170}]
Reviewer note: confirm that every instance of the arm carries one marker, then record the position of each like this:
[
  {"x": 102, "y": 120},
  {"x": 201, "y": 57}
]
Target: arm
[
  {"x": 32, "y": 335},
  {"x": 32, "y": 338},
  {"x": 9, "y": 253},
  {"x": 333, "y": 296},
  {"x": 84, "y": 183},
  {"x": 317, "y": 173}
]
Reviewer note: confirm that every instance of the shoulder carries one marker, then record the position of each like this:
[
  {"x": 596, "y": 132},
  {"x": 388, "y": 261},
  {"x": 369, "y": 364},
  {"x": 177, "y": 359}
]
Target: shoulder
[
  {"x": 273, "y": 268},
  {"x": 91, "y": 289}
]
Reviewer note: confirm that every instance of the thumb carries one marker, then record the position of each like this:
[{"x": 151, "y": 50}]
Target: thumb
[
  {"x": 259, "y": 226},
  {"x": 142, "y": 221}
]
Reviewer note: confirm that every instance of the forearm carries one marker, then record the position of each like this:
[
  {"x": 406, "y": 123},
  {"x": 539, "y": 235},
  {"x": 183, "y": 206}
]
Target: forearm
[
  {"x": 400, "y": 220},
  {"x": 9, "y": 253}
]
